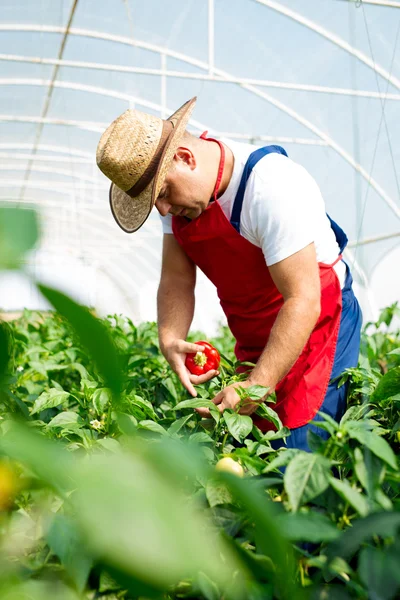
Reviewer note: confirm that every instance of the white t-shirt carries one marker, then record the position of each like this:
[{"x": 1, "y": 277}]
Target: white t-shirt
[{"x": 283, "y": 210}]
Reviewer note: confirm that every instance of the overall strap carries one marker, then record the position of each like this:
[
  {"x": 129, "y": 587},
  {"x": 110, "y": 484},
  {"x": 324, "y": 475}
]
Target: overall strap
[
  {"x": 250, "y": 164},
  {"x": 340, "y": 235}
]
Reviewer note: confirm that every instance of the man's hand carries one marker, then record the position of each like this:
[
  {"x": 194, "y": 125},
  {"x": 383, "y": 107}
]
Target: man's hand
[
  {"x": 175, "y": 353},
  {"x": 229, "y": 398}
]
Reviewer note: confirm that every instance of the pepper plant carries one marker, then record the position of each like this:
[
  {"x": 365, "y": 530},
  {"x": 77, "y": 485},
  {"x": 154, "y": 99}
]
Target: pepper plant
[{"x": 108, "y": 486}]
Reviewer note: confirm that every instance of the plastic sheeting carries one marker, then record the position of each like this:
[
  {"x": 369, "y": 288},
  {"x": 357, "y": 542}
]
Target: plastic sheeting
[{"x": 320, "y": 77}]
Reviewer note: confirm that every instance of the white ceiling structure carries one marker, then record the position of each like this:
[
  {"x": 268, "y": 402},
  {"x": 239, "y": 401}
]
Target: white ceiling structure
[{"x": 319, "y": 77}]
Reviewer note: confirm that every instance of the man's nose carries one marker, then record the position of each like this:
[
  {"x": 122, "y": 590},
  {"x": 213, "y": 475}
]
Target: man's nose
[{"x": 163, "y": 207}]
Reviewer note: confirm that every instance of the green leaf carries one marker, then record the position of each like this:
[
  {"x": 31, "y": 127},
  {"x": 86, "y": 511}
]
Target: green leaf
[
  {"x": 217, "y": 493},
  {"x": 43, "y": 367},
  {"x": 88, "y": 384},
  {"x": 369, "y": 469},
  {"x": 5, "y": 348},
  {"x": 65, "y": 541},
  {"x": 177, "y": 425},
  {"x": 327, "y": 423},
  {"x": 266, "y": 412},
  {"x": 19, "y": 233},
  {"x": 127, "y": 424},
  {"x": 101, "y": 398},
  {"x": 284, "y": 457},
  {"x": 388, "y": 386},
  {"x": 170, "y": 387},
  {"x": 395, "y": 352},
  {"x": 354, "y": 413},
  {"x": 194, "y": 403},
  {"x": 144, "y": 405},
  {"x": 201, "y": 438},
  {"x": 66, "y": 420},
  {"x": 93, "y": 336},
  {"x": 350, "y": 495},
  {"x": 81, "y": 370},
  {"x": 262, "y": 567},
  {"x": 107, "y": 583},
  {"x": 306, "y": 476},
  {"x": 255, "y": 392},
  {"x": 307, "y": 527},
  {"x": 152, "y": 426},
  {"x": 53, "y": 397},
  {"x": 207, "y": 587},
  {"x": 377, "y": 444},
  {"x": 239, "y": 426},
  {"x": 276, "y": 435},
  {"x": 109, "y": 444}
]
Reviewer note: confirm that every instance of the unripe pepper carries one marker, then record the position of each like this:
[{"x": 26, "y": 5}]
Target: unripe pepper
[{"x": 199, "y": 363}]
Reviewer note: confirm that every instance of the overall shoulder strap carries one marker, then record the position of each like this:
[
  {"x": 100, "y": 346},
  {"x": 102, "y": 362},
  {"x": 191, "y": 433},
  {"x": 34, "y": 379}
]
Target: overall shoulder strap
[
  {"x": 340, "y": 235},
  {"x": 250, "y": 164}
]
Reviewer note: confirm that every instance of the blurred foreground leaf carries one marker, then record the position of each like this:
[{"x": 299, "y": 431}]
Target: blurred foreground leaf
[
  {"x": 385, "y": 525},
  {"x": 38, "y": 590},
  {"x": 269, "y": 540},
  {"x": 66, "y": 543},
  {"x": 93, "y": 336},
  {"x": 19, "y": 232},
  {"x": 379, "y": 571},
  {"x": 132, "y": 515}
]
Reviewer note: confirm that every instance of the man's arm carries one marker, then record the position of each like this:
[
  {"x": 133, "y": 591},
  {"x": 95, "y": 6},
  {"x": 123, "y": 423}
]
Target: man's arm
[
  {"x": 175, "y": 308},
  {"x": 175, "y": 297},
  {"x": 297, "y": 279}
]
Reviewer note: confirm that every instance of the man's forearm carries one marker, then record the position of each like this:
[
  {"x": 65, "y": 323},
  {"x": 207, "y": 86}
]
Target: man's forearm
[
  {"x": 175, "y": 308},
  {"x": 289, "y": 335}
]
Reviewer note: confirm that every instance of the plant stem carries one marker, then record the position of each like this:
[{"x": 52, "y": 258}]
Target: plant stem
[{"x": 223, "y": 442}]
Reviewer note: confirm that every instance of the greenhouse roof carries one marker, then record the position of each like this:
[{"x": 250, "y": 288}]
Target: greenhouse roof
[{"x": 319, "y": 77}]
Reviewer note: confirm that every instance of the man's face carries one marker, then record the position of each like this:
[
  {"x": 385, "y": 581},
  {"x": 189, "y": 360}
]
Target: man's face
[{"x": 183, "y": 193}]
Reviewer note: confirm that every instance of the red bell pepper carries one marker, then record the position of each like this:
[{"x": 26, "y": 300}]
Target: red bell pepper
[{"x": 199, "y": 363}]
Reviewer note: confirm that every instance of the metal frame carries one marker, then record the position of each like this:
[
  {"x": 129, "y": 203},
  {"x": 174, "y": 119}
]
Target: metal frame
[
  {"x": 67, "y": 172},
  {"x": 332, "y": 37},
  {"x": 163, "y": 72},
  {"x": 372, "y": 240},
  {"x": 47, "y": 147},
  {"x": 386, "y": 3},
  {"x": 280, "y": 105},
  {"x": 47, "y": 158},
  {"x": 198, "y": 63},
  {"x": 93, "y": 126},
  {"x": 213, "y": 74},
  {"x": 99, "y": 128}
]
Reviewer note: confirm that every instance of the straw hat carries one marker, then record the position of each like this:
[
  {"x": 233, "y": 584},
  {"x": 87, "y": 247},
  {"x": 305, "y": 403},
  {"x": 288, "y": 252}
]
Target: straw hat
[{"x": 136, "y": 152}]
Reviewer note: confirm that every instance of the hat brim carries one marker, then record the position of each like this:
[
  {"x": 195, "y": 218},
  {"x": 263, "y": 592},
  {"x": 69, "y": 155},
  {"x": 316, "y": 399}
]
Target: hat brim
[{"x": 131, "y": 213}]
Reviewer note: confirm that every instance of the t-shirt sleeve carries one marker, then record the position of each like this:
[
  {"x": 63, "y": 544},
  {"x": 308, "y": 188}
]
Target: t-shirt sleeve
[
  {"x": 281, "y": 206},
  {"x": 166, "y": 223}
]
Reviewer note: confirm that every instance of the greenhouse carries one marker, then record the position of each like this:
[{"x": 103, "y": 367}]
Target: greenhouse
[{"x": 212, "y": 414}]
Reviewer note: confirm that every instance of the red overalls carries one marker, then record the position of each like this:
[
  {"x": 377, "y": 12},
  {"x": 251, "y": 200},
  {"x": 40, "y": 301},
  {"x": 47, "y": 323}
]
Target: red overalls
[{"x": 251, "y": 302}]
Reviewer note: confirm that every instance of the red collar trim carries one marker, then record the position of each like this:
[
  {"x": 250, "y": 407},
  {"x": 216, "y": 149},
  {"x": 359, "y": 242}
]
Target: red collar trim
[{"x": 221, "y": 162}]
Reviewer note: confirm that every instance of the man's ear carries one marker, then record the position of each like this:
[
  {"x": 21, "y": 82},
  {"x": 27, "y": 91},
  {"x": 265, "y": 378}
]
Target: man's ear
[{"x": 186, "y": 156}]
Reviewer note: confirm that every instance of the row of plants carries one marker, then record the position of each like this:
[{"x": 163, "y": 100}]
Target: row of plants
[{"x": 108, "y": 485}]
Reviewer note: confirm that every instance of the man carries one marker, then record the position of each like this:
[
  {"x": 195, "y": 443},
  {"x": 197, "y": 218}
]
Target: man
[{"x": 255, "y": 223}]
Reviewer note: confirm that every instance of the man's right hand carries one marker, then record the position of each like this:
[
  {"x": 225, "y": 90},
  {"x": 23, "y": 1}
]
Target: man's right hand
[{"x": 175, "y": 353}]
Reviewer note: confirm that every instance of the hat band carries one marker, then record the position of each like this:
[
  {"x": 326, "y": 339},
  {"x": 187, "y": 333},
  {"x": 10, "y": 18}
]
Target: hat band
[{"x": 151, "y": 169}]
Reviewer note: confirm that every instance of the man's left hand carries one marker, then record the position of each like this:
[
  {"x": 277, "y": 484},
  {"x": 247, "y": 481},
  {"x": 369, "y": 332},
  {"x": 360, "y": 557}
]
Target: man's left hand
[{"x": 229, "y": 398}]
